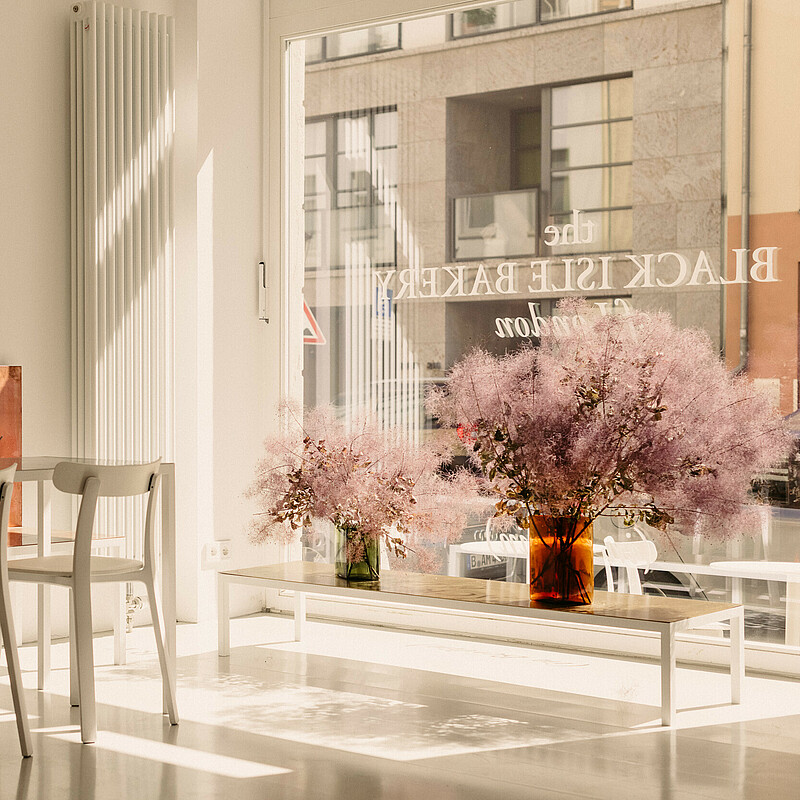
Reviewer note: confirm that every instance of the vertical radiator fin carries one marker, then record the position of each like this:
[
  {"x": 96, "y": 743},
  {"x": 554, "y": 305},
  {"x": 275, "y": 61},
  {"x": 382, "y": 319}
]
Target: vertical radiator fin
[{"x": 123, "y": 248}]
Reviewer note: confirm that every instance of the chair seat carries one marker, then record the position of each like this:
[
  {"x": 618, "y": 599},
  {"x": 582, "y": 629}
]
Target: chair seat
[{"x": 61, "y": 566}]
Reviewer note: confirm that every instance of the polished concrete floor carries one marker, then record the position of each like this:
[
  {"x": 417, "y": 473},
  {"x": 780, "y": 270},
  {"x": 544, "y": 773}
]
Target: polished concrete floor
[{"x": 356, "y": 713}]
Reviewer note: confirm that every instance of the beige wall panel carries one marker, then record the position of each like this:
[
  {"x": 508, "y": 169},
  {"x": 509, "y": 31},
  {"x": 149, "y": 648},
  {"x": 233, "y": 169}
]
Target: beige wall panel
[
  {"x": 775, "y": 112},
  {"x": 699, "y": 225},
  {"x": 645, "y": 42},
  {"x": 693, "y": 177},
  {"x": 655, "y": 134},
  {"x": 570, "y": 54},
  {"x": 699, "y": 129},
  {"x": 655, "y": 227}
]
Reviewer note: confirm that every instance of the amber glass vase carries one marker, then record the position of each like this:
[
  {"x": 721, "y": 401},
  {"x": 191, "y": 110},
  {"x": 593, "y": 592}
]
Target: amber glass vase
[
  {"x": 357, "y": 557},
  {"x": 562, "y": 562}
]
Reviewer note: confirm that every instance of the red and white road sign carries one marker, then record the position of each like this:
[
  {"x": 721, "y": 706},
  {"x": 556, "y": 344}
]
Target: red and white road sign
[{"x": 312, "y": 334}]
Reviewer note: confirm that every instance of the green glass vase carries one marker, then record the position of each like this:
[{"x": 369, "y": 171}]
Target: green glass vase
[{"x": 358, "y": 558}]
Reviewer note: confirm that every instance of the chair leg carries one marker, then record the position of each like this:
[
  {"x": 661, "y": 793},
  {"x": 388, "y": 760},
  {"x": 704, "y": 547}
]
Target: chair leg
[
  {"x": 166, "y": 672},
  {"x": 120, "y": 598},
  {"x": 81, "y": 597},
  {"x": 74, "y": 691},
  {"x": 14, "y": 671}
]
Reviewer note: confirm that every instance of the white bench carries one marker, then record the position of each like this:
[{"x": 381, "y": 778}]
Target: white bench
[{"x": 666, "y": 616}]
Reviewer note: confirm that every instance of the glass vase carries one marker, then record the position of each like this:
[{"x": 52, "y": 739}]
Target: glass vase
[
  {"x": 357, "y": 556},
  {"x": 562, "y": 560}
]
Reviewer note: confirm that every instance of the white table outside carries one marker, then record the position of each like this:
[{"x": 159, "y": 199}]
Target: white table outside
[
  {"x": 40, "y": 469},
  {"x": 784, "y": 571}
]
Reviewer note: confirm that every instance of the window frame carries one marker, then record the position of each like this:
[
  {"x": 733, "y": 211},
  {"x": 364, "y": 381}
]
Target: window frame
[
  {"x": 332, "y": 155},
  {"x": 548, "y": 170},
  {"x": 325, "y": 58}
]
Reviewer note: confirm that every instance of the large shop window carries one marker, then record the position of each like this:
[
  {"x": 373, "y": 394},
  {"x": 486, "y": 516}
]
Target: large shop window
[{"x": 456, "y": 186}]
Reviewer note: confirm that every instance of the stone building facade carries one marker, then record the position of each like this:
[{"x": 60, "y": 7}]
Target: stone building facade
[{"x": 398, "y": 314}]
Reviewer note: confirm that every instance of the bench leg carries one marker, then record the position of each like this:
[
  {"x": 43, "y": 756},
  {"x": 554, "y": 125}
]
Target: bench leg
[
  {"x": 668, "y": 707},
  {"x": 299, "y": 615},
  {"x": 737, "y": 656},
  {"x": 223, "y": 616}
]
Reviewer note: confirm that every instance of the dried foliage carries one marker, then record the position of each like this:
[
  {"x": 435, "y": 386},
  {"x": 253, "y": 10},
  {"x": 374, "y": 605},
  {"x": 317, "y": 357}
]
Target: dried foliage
[
  {"x": 615, "y": 415},
  {"x": 365, "y": 480}
]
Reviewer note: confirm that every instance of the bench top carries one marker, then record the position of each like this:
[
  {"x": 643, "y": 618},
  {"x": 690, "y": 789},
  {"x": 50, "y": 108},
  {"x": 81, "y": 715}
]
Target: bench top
[{"x": 395, "y": 585}]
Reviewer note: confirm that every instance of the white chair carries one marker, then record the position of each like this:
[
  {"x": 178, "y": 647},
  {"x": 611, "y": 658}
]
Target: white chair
[
  {"x": 641, "y": 554},
  {"x": 6, "y": 617},
  {"x": 78, "y": 571},
  {"x": 631, "y": 556},
  {"x": 599, "y": 551}
]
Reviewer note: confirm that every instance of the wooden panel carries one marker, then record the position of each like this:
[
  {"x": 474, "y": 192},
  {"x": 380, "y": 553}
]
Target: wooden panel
[
  {"x": 610, "y": 605},
  {"x": 11, "y": 429}
]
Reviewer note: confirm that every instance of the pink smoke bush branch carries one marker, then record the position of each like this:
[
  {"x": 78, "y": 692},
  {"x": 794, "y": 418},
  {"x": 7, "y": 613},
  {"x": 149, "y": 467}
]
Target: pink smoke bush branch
[
  {"x": 365, "y": 480},
  {"x": 616, "y": 415}
]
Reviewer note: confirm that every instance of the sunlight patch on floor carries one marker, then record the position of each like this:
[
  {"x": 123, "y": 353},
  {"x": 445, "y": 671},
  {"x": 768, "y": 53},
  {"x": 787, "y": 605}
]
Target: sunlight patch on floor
[{"x": 173, "y": 754}]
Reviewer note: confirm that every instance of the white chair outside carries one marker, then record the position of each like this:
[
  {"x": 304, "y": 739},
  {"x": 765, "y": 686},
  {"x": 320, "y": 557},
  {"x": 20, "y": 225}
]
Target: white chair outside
[
  {"x": 632, "y": 556},
  {"x": 78, "y": 571},
  {"x": 7, "y": 618}
]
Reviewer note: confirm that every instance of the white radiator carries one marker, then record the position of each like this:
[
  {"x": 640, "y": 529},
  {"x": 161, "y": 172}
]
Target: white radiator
[{"x": 122, "y": 131}]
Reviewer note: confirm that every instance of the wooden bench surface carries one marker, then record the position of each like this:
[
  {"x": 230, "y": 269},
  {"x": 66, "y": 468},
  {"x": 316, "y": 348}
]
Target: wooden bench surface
[{"x": 316, "y": 577}]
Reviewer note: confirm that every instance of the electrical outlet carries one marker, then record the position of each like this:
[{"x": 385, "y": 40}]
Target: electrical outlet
[
  {"x": 225, "y": 549},
  {"x": 213, "y": 552}
]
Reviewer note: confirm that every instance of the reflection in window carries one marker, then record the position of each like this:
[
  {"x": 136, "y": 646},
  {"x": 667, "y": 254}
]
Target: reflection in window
[
  {"x": 564, "y": 9},
  {"x": 498, "y": 225},
  {"x": 487, "y": 19},
  {"x": 591, "y": 149},
  {"x": 349, "y": 44},
  {"x": 505, "y": 16},
  {"x": 350, "y": 185}
]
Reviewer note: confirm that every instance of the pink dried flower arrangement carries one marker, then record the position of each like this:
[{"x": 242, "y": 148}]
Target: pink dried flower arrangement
[
  {"x": 615, "y": 415},
  {"x": 365, "y": 480}
]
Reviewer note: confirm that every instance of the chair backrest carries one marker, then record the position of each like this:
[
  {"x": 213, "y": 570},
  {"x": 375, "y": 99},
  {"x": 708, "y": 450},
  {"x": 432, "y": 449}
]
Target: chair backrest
[
  {"x": 92, "y": 481},
  {"x": 633, "y": 556},
  {"x": 600, "y": 550},
  {"x": 6, "y": 487},
  {"x": 505, "y": 544},
  {"x": 119, "y": 480}
]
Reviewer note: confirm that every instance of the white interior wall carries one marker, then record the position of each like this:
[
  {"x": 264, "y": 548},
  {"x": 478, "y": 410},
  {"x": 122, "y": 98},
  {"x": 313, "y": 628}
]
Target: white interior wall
[
  {"x": 237, "y": 387},
  {"x": 223, "y": 388},
  {"x": 34, "y": 223}
]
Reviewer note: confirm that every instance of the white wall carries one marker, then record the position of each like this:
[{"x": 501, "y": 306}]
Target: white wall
[
  {"x": 221, "y": 347},
  {"x": 236, "y": 388},
  {"x": 35, "y": 236},
  {"x": 34, "y": 220}
]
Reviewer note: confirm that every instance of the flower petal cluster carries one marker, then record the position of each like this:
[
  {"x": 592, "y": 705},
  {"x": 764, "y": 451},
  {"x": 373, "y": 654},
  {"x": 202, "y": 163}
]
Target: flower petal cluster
[
  {"x": 362, "y": 478},
  {"x": 624, "y": 415}
]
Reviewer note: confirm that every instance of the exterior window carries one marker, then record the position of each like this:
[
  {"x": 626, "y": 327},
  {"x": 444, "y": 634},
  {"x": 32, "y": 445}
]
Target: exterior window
[
  {"x": 564, "y": 9},
  {"x": 488, "y": 19},
  {"x": 527, "y": 149},
  {"x": 505, "y": 16},
  {"x": 591, "y": 149},
  {"x": 350, "y": 183},
  {"x": 349, "y": 44}
]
